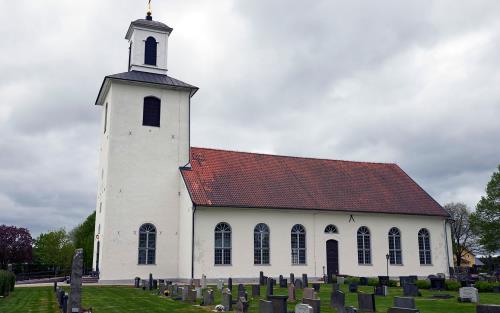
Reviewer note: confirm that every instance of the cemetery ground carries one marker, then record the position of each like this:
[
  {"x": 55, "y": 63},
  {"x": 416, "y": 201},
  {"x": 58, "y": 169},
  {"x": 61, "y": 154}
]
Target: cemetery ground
[{"x": 111, "y": 299}]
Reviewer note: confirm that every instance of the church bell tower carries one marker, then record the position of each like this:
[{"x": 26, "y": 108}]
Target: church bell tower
[{"x": 144, "y": 141}]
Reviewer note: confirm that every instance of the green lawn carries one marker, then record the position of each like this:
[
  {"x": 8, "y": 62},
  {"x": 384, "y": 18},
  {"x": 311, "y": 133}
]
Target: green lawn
[{"x": 126, "y": 299}]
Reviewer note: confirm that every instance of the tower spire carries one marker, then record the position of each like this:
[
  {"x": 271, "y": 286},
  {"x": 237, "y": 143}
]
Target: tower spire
[{"x": 148, "y": 15}]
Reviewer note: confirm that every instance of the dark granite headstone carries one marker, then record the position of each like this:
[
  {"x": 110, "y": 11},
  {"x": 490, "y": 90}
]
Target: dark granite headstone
[
  {"x": 150, "y": 284},
  {"x": 55, "y": 286},
  {"x": 269, "y": 289},
  {"x": 381, "y": 290},
  {"x": 410, "y": 290},
  {"x": 255, "y": 290},
  {"x": 283, "y": 283},
  {"x": 383, "y": 280},
  {"x": 316, "y": 286},
  {"x": 261, "y": 278},
  {"x": 299, "y": 284},
  {"x": 279, "y": 303},
  {"x": 230, "y": 284},
  {"x": 75, "y": 296},
  {"x": 137, "y": 282},
  {"x": 65, "y": 303},
  {"x": 363, "y": 281},
  {"x": 353, "y": 287},
  {"x": 304, "y": 280},
  {"x": 437, "y": 283},
  {"x": 405, "y": 302},
  {"x": 155, "y": 284},
  {"x": 335, "y": 287},
  {"x": 337, "y": 300},
  {"x": 314, "y": 303},
  {"x": 488, "y": 308},
  {"x": 265, "y": 306},
  {"x": 292, "y": 278},
  {"x": 242, "y": 293},
  {"x": 366, "y": 302}
]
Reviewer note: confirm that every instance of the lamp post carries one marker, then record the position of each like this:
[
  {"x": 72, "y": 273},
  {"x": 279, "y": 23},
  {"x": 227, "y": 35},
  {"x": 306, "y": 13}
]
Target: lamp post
[{"x": 387, "y": 256}]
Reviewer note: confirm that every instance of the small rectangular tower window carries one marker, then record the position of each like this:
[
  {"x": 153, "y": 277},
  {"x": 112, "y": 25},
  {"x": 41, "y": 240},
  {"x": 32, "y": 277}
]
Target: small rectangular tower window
[{"x": 151, "y": 113}]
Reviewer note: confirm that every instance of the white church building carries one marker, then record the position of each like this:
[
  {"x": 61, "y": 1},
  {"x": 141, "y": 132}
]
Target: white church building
[{"x": 166, "y": 208}]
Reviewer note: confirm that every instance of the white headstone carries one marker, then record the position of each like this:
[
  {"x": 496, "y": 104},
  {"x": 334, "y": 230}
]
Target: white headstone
[
  {"x": 340, "y": 280},
  {"x": 303, "y": 308},
  {"x": 220, "y": 284},
  {"x": 470, "y": 293},
  {"x": 203, "y": 281},
  {"x": 199, "y": 294}
]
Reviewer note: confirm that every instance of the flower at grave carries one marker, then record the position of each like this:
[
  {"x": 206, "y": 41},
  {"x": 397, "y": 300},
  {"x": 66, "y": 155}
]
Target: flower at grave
[{"x": 219, "y": 308}]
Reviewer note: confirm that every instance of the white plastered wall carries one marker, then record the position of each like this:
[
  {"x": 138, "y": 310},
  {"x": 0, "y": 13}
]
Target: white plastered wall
[
  {"x": 141, "y": 181},
  {"x": 280, "y": 223}
]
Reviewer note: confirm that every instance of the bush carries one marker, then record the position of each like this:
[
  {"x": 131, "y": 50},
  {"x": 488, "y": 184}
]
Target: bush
[
  {"x": 484, "y": 286},
  {"x": 372, "y": 281},
  {"x": 423, "y": 284},
  {"x": 452, "y": 285},
  {"x": 7, "y": 282},
  {"x": 351, "y": 279},
  {"x": 393, "y": 283}
]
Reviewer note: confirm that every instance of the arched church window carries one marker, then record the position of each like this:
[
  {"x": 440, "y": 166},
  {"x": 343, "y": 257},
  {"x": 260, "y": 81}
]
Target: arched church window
[
  {"x": 298, "y": 242},
  {"x": 151, "y": 112},
  {"x": 331, "y": 229},
  {"x": 261, "y": 244},
  {"x": 424, "y": 246},
  {"x": 395, "y": 254},
  {"x": 147, "y": 244},
  {"x": 150, "y": 51},
  {"x": 222, "y": 244},
  {"x": 364, "y": 246}
]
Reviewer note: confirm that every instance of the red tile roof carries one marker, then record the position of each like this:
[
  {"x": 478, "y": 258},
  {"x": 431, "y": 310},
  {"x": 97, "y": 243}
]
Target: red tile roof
[{"x": 219, "y": 178}]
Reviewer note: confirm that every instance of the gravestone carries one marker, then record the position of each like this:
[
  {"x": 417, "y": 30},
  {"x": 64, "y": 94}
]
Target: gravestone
[
  {"x": 208, "y": 297},
  {"x": 279, "y": 303},
  {"x": 353, "y": 287},
  {"x": 255, "y": 290},
  {"x": 303, "y": 308},
  {"x": 383, "y": 280},
  {"x": 340, "y": 280},
  {"x": 242, "y": 293},
  {"x": 437, "y": 283},
  {"x": 196, "y": 282},
  {"x": 469, "y": 293},
  {"x": 316, "y": 286},
  {"x": 55, "y": 286},
  {"x": 304, "y": 280},
  {"x": 298, "y": 283},
  {"x": 137, "y": 282},
  {"x": 337, "y": 300},
  {"x": 350, "y": 309},
  {"x": 150, "y": 283},
  {"x": 220, "y": 284},
  {"x": 66, "y": 304},
  {"x": 381, "y": 291},
  {"x": 265, "y": 306},
  {"x": 230, "y": 284},
  {"x": 241, "y": 305},
  {"x": 496, "y": 289},
  {"x": 261, "y": 278},
  {"x": 184, "y": 293},
  {"x": 488, "y": 308},
  {"x": 314, "y": 303},
  {"x": 363, "y": 281},
  {"x": 441, "y": 275},
  {"x": 280, "y": 278},
  {"x": 191, "y": 295},
  {"x": 402, "y": 310},
  {"x": 227, "y": 300},
  {"x": 366, "y": 302},
  {"x": 335, "y": 287},
  {"x": 291, "y": 293},
  {"x": 269, "y": 289},
  {"x": 292, "y": 278},
  {"x": 308, "y": 293},
  {"x": 405, "y": 302},
  {"x": 203, "y": 281},
  {"x": 75, "y": 295},
  {"x": 410, "y": 290},
  {"x": 283, "y": 283},
  {"x": 199, "y": 292},
  {"x": 155, "y": 284}
]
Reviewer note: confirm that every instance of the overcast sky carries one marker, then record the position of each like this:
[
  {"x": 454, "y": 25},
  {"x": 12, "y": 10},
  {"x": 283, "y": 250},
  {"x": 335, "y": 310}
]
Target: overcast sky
[{"x": 411, "y": 82}]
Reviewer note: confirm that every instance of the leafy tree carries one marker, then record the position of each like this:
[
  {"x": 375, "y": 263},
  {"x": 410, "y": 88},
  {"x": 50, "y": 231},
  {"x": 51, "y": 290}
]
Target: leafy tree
[
  {"x": 463, "y": 238},
  {"x": 486, "y": 220},
  {"x": 15, "y": 245},
  {"x": 83, "y": 237},
  {"x": 55, "y": 249}
]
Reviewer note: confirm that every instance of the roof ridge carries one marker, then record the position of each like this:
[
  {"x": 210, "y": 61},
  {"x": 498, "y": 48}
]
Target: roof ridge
[{"x": 296, "y": 157}]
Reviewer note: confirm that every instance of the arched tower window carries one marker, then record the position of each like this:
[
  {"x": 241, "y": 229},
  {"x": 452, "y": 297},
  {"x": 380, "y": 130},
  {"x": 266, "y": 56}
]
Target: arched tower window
[
  {"x": 222, "y": 244},
  {"x": 395, "y": 254},
  {"x": 151, "y": 112},
  {"x": 150, "y": 51},
  {"x": 331, "y": 229},
  {"x": 147, "y": 244},
  {"x": 298, "y": 242},
  {"x": 364, "y": 247},
  {"x": 261, "y": 244},
  {"x": 424, "y": 246}
]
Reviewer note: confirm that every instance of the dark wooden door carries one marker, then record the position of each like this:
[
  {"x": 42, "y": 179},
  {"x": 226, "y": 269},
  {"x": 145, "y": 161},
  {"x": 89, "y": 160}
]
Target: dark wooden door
[
  {"x": 332, "y": 257},
  {"x": 97, "y": 256}
]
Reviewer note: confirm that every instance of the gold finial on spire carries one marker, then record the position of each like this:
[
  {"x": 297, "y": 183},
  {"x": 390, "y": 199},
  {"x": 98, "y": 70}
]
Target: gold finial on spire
[{"x": 149, "y": 8}]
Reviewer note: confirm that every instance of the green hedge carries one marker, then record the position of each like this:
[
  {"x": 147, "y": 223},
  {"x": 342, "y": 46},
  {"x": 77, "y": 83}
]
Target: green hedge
[
  {"x": 484, "y": 286},
  {"x": 7, "y": 282},
  {"x": 423, "y": 284},
  {"x": 452, "y": 285}
]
